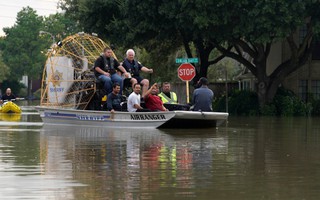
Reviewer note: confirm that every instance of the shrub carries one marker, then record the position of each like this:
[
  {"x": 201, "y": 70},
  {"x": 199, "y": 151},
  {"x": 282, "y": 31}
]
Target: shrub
[
  {"x": 268, "y": 110},
  {"x": 288, "y": 104},
  {"x": 285, "y": 103},
  {"x": 37, "y": 94},
  {"x": 244, "y": 103},
  {"x": 239, "y": 103}
]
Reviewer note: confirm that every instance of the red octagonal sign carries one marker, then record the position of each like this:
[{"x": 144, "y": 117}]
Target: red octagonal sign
[{"x": 186, "y": 72}]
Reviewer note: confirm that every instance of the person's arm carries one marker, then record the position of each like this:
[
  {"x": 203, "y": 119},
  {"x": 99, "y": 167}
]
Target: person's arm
[
  {"x": 137, "y": 106},
  {"x": 194, "y": 97},
  {"x": 124, "y": 71},
  {"x": 97, "y": 67},
  {"x": 164, "y": 108},
  {"x": 109, "y": 102},
  {"x": 147, "y": 70},
  {"x": 146, "y": 95}
]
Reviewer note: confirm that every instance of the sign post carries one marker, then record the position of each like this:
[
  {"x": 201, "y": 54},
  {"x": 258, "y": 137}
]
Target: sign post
[{"x": 186, "y": 72}]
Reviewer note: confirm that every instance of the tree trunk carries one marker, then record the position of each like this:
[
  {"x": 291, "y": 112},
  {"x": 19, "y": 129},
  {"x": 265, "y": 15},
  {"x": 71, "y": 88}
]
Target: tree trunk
[
  {"x": 204, "y": 68},
  {"x": 260, "y": 62},
  {"x": 29, "y": 88}
]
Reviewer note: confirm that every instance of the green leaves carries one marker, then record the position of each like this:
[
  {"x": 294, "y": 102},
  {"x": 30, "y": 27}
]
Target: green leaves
[
  {"x": 21, "y": 46},
  {"x": 3, "y": 68}
]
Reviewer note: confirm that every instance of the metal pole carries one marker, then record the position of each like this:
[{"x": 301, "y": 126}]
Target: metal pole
[
  {"x": 226, "y": 77},
  {"x": 187, "y": 88}
]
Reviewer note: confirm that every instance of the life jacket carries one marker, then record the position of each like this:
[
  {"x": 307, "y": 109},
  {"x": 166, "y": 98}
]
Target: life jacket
[
  {"x": 110, "y": 69},
  {"x": 165, "y": 99},
  {"x": 133, "y": 70}
]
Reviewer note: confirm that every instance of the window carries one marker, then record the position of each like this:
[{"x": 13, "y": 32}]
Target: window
[
  {"x": 246, "y": 85},
  {"x": 316, "y": 50},
  {"x": 315, "y": 88},
  {"x": 302, "y": 33},
  {"x": 303, "y": 90}
]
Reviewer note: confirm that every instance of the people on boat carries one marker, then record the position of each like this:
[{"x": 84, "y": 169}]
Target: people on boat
[
  {"x": 134, "y": 67},
  {"x": 8, "y": 96},
  {"x": 114, "y": 99},
  {"x": 167, "y": 96},
  {"x": 134, "y": 100},
  {"x": 152, "y": 100},
  {"x": 202, "y": 96},
  {"x": 105, "y": 70}
]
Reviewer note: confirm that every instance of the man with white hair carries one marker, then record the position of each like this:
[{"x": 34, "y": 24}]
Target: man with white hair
[{"x": 134, "y": 67}]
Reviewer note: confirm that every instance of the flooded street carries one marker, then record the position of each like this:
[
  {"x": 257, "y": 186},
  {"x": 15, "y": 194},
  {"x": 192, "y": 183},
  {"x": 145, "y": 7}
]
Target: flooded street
[{"x": 248, "y": 158}]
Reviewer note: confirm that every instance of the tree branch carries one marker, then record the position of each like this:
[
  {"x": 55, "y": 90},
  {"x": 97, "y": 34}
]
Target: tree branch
[
  {"x": 246, "y": 48},
  {"x": 291, "y": 65},
  {"x": 293, "y": 46},
  {"x": 239, "y": 58},
  {"x": 214, "y": 61},
  {"x": 186, "y": 45}
]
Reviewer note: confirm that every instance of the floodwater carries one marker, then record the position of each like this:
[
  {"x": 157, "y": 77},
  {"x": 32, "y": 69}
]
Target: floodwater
[{"x": 247, "y": 158}]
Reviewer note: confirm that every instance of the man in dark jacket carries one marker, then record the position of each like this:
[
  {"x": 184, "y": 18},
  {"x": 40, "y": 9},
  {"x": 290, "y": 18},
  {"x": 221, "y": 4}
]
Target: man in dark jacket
[
  {"x": 202, "y": 97},
  {"x": 105, "y": 70},
  {"x": 8, "y": 96},
  {"x": 134, "y": 67},
  {"x": 114, "y": 99}
]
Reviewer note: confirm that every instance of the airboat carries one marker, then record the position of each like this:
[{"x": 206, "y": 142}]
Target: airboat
[{"x": 70, "y": 94}]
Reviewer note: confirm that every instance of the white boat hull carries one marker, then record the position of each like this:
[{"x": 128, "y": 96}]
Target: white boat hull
[
  {"x": 195, "y": 119},
  {"x": 103, "y": 118}
]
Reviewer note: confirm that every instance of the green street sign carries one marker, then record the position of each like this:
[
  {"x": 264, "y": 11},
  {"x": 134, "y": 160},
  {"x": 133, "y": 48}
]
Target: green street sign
[{"x": 187, "y": 60}]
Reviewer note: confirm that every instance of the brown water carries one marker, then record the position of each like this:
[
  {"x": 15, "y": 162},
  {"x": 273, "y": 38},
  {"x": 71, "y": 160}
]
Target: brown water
[{"x": 249, "y": 158}]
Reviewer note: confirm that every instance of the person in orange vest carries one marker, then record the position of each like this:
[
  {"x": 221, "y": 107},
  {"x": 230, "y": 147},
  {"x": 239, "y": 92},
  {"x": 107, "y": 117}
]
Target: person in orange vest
[{"x": 166, "y": 95}]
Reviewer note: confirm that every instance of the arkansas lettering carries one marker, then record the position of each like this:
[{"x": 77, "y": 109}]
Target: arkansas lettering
[{"x": 148, "y": 117}]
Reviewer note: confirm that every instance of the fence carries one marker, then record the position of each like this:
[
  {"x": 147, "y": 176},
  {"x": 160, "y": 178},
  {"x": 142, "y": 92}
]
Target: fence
[{"x": 219, "y": 89}]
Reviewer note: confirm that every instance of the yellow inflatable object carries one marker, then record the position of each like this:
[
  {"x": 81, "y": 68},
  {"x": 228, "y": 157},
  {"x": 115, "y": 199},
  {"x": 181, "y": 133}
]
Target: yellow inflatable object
[
  {"x": 104, "y": 98},
  {"x": 10, "y": 107},
  {"x": 10, "y": 117}
]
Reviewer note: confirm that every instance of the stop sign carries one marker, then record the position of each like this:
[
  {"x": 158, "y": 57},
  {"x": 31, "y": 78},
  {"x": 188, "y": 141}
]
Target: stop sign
[{"x": 186, "y": 72}]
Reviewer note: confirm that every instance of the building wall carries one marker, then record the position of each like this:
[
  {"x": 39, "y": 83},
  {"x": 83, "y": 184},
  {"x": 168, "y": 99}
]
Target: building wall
[
  {"x": 305, "y": 80},
  {"x": 275, "y": 57}
]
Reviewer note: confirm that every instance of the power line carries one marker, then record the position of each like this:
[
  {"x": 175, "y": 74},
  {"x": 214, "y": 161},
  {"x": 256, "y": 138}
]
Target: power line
[
  {"x": 49, "y": 1},
  {"x": 2, "y": 16},
  {"x": 23, "y": 6}
]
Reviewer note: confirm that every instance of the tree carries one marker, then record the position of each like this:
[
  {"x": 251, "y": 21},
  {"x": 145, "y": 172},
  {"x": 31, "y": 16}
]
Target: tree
[
  {"x": 151, "y": 24},
  {"x": 22, "y": 47},
  {"x": 241, "y": 29},
  {"x": 60, "y": 26},
  {"x": 270, "y": 22},
  {"x": 3, "y": 67}
]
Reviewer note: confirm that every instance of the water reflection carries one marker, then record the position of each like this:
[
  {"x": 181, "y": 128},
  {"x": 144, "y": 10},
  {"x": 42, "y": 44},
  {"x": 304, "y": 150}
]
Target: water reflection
[
  {"x": 249, "y": 158},
  {"x": 128, "y": 164}
]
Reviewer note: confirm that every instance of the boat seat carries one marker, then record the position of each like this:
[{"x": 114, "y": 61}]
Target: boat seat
[
  {"x": 172, "y": 107},
  {"x": 100, "y": 88}
]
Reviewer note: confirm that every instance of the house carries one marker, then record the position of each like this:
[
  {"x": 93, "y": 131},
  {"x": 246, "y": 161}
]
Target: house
[{"x": 304, "y": 82}]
